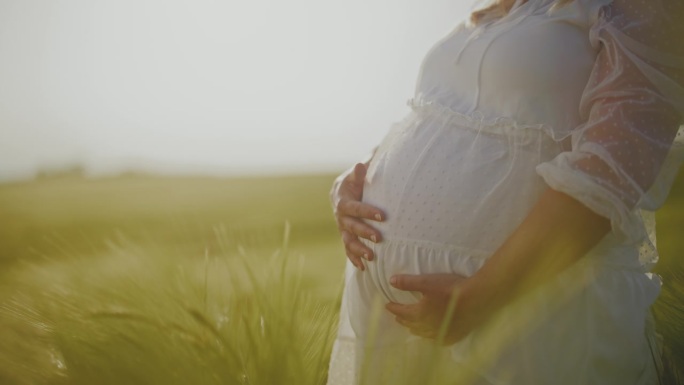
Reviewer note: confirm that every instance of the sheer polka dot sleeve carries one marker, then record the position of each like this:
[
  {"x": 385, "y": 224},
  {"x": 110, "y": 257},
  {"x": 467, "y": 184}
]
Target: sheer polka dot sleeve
[{"x": 626, "y": 154}]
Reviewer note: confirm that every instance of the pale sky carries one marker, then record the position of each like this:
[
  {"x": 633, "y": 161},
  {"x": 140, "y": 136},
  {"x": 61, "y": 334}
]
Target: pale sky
[{"x": 209, "y": 86}]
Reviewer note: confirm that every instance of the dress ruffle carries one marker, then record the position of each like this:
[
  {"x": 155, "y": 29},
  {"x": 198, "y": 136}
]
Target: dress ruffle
[{"x": 476, "y": 120}]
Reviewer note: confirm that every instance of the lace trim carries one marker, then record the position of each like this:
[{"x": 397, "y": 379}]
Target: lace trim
[{"x": 497, "y": 126}]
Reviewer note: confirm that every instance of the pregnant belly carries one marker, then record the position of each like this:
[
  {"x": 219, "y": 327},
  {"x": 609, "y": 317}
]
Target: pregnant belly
[
  {"x": 454, "y": 186},
  {"x": 451, "y": 195}
]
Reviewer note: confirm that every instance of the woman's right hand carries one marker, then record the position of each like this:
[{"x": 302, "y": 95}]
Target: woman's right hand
[{"x": 350, "y": 213}]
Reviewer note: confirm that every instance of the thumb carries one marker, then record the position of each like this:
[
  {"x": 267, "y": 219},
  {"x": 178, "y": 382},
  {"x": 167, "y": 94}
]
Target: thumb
[
  {"x": 360, "y": 172},
  {"x": 405, "y": 282},
  {"x": 440, "y": 283}
]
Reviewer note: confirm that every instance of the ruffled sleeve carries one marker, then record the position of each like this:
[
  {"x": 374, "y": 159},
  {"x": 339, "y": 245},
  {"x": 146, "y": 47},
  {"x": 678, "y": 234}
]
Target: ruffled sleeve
[{"x": 626, "y": 154}]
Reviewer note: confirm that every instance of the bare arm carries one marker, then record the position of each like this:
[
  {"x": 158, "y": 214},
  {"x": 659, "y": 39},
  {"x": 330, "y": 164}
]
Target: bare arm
[{"x": 558, "y": 231}]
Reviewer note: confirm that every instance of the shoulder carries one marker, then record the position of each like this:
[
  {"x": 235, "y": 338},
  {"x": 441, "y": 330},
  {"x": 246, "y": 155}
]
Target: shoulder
[{"x": 654, "y": 24}]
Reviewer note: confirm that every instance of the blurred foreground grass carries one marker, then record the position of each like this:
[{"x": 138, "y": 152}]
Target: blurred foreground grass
[{"x": 147, "y": 280}]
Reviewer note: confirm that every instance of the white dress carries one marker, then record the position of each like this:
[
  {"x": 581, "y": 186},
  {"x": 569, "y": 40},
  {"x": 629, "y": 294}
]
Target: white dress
[{"x": 587, "y": 99}]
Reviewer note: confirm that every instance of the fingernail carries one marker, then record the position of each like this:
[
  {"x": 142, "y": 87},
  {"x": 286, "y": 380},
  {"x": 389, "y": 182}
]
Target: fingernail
[
  {"x": 365, "y": 255},
  {"x": 374, "y": 238},
  {"x": 393, "y": 280},
  {"x": 378, "y": 217}
]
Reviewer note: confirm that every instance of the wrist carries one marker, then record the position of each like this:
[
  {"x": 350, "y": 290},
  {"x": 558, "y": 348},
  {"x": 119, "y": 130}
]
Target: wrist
[{"x": 480, "y": 298}]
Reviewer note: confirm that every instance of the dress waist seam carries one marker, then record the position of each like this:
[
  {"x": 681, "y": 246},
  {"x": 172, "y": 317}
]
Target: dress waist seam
[
  {"x": 440, "y": 247},
  {"x": 499, "y": 126}
]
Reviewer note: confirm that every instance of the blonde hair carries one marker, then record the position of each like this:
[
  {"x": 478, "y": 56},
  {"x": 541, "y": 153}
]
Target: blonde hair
[{"x": 500, "y": 8}]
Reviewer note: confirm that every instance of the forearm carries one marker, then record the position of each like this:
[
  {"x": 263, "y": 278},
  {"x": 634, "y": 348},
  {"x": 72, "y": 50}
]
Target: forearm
[{"x": 557, "y": 233}]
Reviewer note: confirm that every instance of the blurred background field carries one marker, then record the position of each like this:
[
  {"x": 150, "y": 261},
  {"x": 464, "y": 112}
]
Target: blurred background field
[
  {"x": 151, "y": 280},
  {"x": 69, "y": 215},
  {"x": 158, "y": 280}
]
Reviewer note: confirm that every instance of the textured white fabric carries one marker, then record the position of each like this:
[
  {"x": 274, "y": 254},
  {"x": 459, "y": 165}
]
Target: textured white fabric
[{"x": 587, "y": 98}]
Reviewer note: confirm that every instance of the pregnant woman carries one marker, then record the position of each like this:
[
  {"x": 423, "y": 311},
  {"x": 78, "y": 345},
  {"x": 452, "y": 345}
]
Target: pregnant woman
[{"x": 504, "y": 228}]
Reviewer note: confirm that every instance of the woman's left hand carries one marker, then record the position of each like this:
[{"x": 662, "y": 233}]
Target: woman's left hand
[{"x": 440, "y": 306}]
